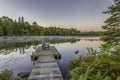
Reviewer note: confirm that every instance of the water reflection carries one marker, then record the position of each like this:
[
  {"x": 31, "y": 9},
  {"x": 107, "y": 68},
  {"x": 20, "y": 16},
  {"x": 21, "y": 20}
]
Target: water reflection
[
  {"x": 15, "y": 52},
  {"x": 67, "y": 51}
]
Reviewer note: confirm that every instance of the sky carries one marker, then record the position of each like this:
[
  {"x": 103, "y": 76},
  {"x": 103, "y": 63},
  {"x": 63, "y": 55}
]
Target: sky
[{"x": 80, "y": 14}]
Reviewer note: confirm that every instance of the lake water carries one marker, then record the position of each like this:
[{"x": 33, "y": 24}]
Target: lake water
[{"x": 15, "y": 52}]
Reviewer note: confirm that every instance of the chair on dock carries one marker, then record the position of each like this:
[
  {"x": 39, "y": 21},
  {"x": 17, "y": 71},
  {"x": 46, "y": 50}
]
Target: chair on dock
[{"x": 45, "y": 45}]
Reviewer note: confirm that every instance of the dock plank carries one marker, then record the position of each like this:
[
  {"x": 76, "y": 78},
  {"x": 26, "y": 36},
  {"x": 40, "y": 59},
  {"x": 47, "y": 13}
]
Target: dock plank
[{"x": 46, "y": 67}]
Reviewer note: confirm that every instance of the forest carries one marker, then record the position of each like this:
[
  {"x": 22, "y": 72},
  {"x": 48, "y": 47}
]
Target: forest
[{"x": 10, "y": 27}]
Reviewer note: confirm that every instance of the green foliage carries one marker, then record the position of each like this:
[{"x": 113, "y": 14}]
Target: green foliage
[
  {"x": 87, "y": 76},
  {"x": 113, "y": 23},
  {"x": 92, "y": 33},
  {"x": 9, "y": 27},
  {"x": 103, "y": 65},
  {"x": 6, "y": 75}
]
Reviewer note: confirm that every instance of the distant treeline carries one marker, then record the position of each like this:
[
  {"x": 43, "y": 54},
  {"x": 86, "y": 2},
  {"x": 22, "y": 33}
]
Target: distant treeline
[{"x": 10, "y": 27}]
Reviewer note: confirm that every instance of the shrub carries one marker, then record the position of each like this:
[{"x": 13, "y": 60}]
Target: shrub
[
  {"x": 6, "y": 75},
  {"x": 103, "y": 65}
]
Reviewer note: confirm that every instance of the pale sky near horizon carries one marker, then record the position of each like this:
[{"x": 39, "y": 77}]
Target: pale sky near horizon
[{"x": 81, "y": 14}]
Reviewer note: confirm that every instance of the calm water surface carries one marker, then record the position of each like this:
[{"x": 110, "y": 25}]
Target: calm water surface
[{"x": 15, "y": 52}]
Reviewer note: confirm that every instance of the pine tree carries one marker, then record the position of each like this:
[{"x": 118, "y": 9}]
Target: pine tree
[{"x": 112, "y": 24}]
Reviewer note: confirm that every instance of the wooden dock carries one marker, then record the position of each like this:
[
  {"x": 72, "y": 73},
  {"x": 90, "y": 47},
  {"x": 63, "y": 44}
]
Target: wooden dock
[{"x": 46, "y": 67}]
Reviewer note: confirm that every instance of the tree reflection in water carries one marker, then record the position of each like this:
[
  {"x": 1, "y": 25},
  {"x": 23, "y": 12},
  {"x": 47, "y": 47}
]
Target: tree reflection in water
[{"x": 8, "y": 47}]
